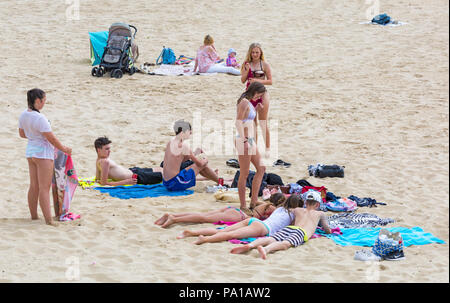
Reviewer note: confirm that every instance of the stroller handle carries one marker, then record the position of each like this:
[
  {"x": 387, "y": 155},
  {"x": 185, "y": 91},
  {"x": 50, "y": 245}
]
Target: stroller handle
[{"x": 135, "y": 30}]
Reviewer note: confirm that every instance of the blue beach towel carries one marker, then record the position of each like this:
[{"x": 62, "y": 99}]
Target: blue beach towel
[
  {"x": 141, "y": 191},
  {"x": 367, "y": 236}
]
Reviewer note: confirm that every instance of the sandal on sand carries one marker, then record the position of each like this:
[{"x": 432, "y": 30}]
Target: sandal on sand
[
  {"x": 280, "y": 162},
  {"x": 233, "y": 163}
]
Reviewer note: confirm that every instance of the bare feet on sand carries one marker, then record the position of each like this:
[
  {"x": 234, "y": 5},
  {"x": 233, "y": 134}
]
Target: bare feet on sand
[
  {"x": 161, "y": 220},
  {"x": 185, "y": 234},
  {"x": 200, "y": 240},
  {"x": 168, "y": 222},
  {"x": 262, "y": 252},
  {"x": 241, "y": 249}
]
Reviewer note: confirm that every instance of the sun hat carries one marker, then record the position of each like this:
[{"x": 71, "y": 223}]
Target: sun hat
[{"x": 231, "y": 50}]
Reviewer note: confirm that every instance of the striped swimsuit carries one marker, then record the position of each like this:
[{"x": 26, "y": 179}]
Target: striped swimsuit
[{"x": 293, "y": 234}]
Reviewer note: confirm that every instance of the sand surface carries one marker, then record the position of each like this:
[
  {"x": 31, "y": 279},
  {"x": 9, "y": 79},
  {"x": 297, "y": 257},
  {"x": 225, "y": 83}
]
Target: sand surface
[{"x": 374, "y": 99}]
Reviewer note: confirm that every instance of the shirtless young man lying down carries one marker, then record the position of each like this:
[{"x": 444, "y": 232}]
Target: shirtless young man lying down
[{"x": 106, "y": 169}]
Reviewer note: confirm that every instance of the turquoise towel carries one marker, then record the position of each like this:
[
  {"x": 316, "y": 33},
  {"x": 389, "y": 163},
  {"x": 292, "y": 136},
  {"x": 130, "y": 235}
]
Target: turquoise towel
[
  {"x": 367, "y": 236},
  {"x": 141, "y": 191}
]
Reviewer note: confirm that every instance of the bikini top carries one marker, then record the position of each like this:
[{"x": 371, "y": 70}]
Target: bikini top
[
  {"x": 255, "y": 74},
  {"x": 258, "y": 73},
  {"x": 251, "y": 114}
]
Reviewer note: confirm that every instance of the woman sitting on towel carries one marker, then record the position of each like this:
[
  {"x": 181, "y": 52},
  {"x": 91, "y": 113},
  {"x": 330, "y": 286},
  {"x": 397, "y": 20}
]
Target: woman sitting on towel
[
  {"x": 256, "y": 69},
  {"x": 40, "y": 153},
  {"x": 250, "y": 227},
  {"x": 226, "y": 214},
  {"x": 207, "y": 58}
]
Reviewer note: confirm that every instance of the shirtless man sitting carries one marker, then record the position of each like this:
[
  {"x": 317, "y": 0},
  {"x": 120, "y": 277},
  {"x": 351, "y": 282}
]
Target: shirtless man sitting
[
  {"x": 306, "y": 222},
  {"x": 108, "y": 169},
  {"x": 177, "y": 151}
]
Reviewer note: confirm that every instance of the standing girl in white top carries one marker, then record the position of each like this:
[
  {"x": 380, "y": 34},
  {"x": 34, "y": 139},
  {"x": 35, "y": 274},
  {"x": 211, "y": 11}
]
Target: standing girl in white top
[{"x": 39, "y": 153}]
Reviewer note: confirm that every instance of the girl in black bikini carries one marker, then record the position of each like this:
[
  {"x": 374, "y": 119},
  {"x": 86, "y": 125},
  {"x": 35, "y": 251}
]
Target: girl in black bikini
[{"x": 256, "y": 69}]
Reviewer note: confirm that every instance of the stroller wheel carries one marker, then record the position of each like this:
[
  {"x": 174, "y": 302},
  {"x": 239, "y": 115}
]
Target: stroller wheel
[
  {"x": 100, "y": 72},
  {"x": 117, "y": 73},
  {"x": 132, "y": 70},
  {"x": 94, "y": 71}
]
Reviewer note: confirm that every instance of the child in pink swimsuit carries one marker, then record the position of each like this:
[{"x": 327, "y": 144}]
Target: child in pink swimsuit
[{"x": 231, "y": 60}]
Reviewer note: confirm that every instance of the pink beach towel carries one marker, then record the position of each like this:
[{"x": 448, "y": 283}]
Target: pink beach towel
[
  {"x": 64, "y": 184},
  {"x": 334, "y": 231}
]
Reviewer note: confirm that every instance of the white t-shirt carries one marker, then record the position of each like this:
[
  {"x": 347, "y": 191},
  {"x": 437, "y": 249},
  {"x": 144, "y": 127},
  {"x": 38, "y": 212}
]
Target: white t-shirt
[
  {"x": 278, "y": 220},
  {"x": 34, "y": 124}
]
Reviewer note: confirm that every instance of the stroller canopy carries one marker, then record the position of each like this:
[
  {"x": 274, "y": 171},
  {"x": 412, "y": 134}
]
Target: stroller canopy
[
  {"x": 98, "y": 43},
  {"x": 120, "y": 29}
]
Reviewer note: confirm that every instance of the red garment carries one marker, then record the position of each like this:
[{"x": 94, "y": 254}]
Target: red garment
[{"x": 249, "y": 76}]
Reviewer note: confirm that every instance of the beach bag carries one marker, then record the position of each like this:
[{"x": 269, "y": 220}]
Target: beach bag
[
  {"x": 382, "y": 19},
  {"x": 323, "y": 171},
  {"x": 167, "y": 56},
  {"x": 342, "y": 204},
  {"x": 387, "y": 243}
]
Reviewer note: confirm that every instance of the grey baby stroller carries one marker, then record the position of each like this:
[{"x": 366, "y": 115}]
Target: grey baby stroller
[{"x": 120, "y": 52}]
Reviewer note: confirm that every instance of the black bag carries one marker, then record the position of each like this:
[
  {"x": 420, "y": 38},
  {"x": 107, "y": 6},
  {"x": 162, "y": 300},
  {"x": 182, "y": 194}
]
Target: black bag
[
  {"x": 323, "y": 171},
  {"x": 268, "y": 179},
  {"x": 330, "y": 171}
]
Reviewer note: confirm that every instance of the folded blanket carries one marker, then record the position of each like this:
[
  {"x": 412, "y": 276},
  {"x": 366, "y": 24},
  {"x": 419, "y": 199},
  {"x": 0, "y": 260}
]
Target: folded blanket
[
  {"x": 357, "y": 220},
  {"x": 141, "y": 191},
  {"x": 342, "y": 204},
  {"x": 367, "y": 236},
  {"x": 183, "y": 60}
]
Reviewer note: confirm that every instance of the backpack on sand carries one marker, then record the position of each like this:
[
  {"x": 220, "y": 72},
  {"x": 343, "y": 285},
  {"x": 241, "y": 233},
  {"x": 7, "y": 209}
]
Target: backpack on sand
[
  {"x": 167, "y": 56},
  {"x": 382, "y": 19}
]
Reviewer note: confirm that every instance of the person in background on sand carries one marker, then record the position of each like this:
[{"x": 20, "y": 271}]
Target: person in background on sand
[
  {"x": 231, "y": 59},
  {"x": 251, "y": 227},
  {"x": 207, "y": 57},
  {"x": 306, "y": 222},
  {"x": 177, "y": 151},
  {"x": 40, "y": 153},
  {"x": 246, "y": 145},
  {"x": 106, "y": 169},
  {"x": 256, "y": 69},
  {"x": 226, "y": 214}
]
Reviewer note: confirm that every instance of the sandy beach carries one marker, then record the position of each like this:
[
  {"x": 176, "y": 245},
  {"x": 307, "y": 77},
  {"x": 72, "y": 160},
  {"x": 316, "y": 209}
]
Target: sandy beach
[{"x": 371, "y": 98}]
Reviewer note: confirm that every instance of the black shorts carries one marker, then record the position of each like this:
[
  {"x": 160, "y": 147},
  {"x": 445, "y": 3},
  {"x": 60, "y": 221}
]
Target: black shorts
[
  {"x": 146, "y": 176},
  {"x": 183, "y": 164}
]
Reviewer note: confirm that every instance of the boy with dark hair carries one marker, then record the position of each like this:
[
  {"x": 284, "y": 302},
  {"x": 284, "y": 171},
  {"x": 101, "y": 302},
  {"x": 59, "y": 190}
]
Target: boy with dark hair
[
  {"x": 306, "y": 221},
  {"x": 108, "y": 169},
  {"x": 177, "y": 152}
]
